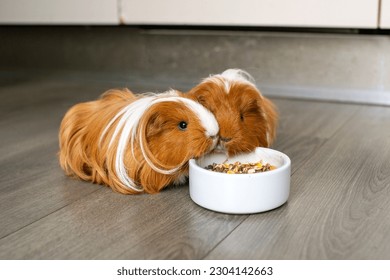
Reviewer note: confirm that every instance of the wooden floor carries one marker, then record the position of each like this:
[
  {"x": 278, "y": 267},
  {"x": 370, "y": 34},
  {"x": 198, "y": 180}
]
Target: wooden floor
[{"x": 339, "y": 205}]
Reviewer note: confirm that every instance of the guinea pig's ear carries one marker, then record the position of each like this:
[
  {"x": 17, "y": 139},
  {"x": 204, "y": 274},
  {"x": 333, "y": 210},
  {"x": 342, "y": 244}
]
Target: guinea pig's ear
[
  {"x": 272, "y": 115},
  {"x": 200, "y": 98},
  {"x": 154, "y": 124}
]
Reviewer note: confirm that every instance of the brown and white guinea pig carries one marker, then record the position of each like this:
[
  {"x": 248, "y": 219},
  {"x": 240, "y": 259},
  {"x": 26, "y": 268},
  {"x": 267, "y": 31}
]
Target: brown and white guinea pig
[
  {"x": 246, "y": 118},
  {"x": 135, "y": 143}
]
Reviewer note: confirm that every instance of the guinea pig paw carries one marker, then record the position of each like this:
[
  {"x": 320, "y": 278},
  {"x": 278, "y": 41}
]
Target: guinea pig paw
[{"x": 181, "y": 179}]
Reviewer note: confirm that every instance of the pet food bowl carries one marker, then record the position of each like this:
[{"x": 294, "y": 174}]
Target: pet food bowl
[{"x": 241, "y": 193}]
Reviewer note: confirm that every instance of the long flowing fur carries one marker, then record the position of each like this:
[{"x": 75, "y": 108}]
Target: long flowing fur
[
  {"x": 133, "y": 143},
  {"x": 246, "y": 118}
]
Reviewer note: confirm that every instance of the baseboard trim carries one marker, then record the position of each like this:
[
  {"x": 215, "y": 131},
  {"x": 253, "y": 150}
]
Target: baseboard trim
[{"x": 372, "y": 97}]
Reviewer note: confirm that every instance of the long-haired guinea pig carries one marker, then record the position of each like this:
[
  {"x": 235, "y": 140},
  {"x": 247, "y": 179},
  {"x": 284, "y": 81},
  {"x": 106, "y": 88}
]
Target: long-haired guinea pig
[
  {"x": 246, "y": 118},
  {"x": 135, "y": 143}
]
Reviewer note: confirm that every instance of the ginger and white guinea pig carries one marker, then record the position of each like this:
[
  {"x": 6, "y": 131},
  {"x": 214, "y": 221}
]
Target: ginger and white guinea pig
[
  {"x": 135, "y": 143},
  {"x": 246, "y": 118}
]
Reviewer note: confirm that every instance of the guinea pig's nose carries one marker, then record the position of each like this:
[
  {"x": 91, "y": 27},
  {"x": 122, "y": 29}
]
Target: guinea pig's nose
[{"x": 225, "y": 139}]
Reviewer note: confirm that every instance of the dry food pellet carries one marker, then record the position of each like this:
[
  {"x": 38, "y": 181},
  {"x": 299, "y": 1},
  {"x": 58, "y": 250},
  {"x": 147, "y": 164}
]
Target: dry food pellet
[{"x": 240, "y": 168}]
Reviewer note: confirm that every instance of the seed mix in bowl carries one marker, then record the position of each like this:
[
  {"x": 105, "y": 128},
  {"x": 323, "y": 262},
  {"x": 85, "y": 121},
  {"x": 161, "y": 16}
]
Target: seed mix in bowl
[{"x": 240, "y": 168}]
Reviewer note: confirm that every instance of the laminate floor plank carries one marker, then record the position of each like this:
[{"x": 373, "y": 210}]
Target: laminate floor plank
[
  {"x": 339, "y": 205},
  {"x": 304, "y": 126},
  {"x": 33, "y": 186},
  {"x": 31, "y": 183},
  {"x": 105, "y": 225}
]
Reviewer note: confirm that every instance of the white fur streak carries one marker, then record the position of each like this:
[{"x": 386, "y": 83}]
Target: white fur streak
[
  {"x": 232, "y": 75},
  {"x": 238, "y": 75},
  {"x": 128, "y": 123},
  {"x": 127, "y": 126}
]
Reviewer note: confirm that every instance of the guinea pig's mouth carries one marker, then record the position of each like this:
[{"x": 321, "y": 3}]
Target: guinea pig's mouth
[
  {"x": 230, "y": 149},
  {"x": 220, "y": 148}
]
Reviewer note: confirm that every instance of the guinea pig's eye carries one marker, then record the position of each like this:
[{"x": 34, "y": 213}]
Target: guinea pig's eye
[
  {"x": 182, "y": 125},
  {"x": 241, "y": 116}
]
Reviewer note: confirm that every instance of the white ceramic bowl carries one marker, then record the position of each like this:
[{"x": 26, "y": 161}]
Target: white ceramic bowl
[{"x": 241, "y": 193}]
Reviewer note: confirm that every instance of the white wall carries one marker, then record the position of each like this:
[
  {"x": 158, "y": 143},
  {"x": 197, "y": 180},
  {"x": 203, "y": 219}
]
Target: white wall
[
  {"x": 385, "y": 14},
  {"x": 298, "y": 13},
  {"x": 59, "y": 12},
  {"x": 288, "y": 13}
]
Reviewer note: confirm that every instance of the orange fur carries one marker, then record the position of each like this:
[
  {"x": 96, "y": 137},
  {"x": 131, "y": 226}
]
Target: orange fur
[
  {"x": 85, "y": 152},
  {"x": 246, "y": 118}
]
